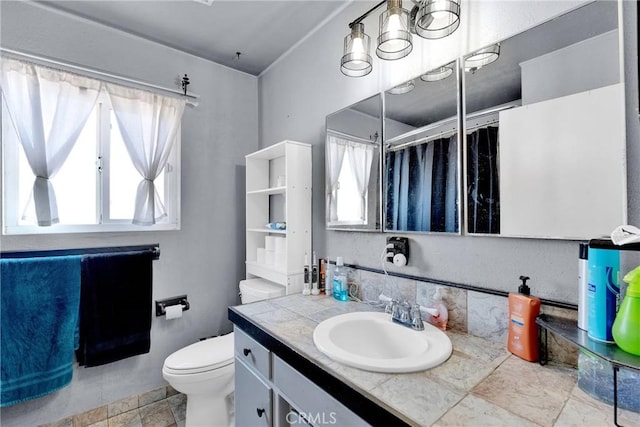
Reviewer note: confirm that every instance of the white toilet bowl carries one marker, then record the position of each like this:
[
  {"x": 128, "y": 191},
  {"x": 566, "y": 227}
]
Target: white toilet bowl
[{"x": 204, "y": 370}]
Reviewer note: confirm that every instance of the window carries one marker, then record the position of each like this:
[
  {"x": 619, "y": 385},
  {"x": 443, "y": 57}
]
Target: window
[{"x": 96, "y": 187}]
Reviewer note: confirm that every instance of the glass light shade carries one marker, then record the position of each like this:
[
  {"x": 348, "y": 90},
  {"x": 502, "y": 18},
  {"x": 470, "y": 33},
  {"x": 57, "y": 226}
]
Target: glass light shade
[
  {"x": 482, "y": 57},
  {"x": 403, "y": 88},
  {"x": 356, "y": 61},
  {"x": 394, "y": 41},
  {"x": 436, "y": 74},
  {"x": 437, "y": 18}
]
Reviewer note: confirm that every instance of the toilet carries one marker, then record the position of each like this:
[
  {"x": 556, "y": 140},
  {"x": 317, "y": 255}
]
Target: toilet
[{"x": 204, "y": 371}]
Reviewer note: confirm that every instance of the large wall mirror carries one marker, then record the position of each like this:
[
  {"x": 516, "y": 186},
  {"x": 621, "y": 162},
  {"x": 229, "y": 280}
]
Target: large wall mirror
[
  {"x": 353, "y": 158},
  {"x": 545, "y": 130},
  {"x": 422, "y": 153}
]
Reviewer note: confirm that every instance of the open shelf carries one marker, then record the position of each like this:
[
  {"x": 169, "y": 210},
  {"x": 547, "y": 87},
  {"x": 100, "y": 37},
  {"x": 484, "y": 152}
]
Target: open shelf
[
  {"x": 285, "y": 162},
  {"x": 269, "y": 191}
]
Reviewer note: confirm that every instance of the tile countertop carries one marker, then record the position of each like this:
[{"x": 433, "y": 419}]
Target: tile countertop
[{"x": 480, "y": 385}]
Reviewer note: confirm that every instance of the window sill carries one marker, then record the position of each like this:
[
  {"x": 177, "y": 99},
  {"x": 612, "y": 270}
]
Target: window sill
[{"x": 88, "y": 228}]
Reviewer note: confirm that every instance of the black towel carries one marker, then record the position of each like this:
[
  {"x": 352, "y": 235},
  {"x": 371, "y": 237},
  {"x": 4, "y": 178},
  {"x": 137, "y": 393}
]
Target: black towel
[{"x": 115, "y": 307}]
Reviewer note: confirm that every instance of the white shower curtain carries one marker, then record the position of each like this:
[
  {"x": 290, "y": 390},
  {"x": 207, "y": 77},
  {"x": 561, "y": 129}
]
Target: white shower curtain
[
  {"x": 149, "y": 123},
  {"x": 48, "y": 109}
]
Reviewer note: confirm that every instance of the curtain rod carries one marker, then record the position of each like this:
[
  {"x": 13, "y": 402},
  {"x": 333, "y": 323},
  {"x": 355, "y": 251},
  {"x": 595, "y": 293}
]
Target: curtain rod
[
  {"x": 447, "y": 121},
  {"x": 114, "y": 78},
  {"x": 154, "y": 248},
  {"x": 424, "y": 140},
  {"x": 354, "y": 138}
]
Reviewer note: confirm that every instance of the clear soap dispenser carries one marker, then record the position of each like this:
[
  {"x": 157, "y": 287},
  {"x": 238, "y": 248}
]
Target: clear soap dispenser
[{"x": 340, "y": 286}]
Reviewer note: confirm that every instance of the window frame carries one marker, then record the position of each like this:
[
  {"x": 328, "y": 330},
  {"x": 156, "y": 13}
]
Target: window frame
[{"x": 11, "y": 212}]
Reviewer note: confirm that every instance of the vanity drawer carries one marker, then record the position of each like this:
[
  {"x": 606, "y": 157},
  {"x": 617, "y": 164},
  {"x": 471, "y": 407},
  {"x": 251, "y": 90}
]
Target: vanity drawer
[
  {"x": 252, "y": 353},
  {"x": 314, "y": 404},
  {"x": 253, "y": 406}
]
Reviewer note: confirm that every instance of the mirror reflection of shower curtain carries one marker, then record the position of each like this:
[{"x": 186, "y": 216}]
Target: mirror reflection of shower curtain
[
  {"x": 421, "y": 191},
  {"x": 483, "y": 192}
]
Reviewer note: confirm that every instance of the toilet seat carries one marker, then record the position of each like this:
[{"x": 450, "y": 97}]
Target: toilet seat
[{"x": 203, "y": 356}]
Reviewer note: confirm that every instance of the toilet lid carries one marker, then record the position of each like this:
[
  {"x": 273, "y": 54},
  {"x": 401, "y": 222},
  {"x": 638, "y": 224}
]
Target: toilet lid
[{"x": 202, "y": 356}]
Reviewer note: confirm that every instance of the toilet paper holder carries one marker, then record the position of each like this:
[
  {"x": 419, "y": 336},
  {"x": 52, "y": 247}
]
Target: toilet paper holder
[{"x": 162, "y": 304}]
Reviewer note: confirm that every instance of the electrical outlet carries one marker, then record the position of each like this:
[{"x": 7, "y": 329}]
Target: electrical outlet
[{"x": 399, "y": 254}]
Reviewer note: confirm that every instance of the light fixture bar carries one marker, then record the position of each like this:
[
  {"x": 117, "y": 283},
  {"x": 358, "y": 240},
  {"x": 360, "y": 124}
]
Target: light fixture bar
[{"x": 367, "y": 13}]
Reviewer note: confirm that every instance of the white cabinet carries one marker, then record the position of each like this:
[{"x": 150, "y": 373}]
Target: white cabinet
[
  {"x": 269, "y": 392},
  {"x": 279, "y": 190}
]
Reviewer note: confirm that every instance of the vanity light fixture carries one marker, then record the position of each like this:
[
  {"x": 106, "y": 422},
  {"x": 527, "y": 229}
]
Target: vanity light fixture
[
  {"x": 356, "y": 61},
  {"x": 439, "y": 73},
  {"x": 394, "y": 41},
  {"x": 402, "y": 88},
  {"x": 482, "y": 57},
  {"x": 434, "y": 19}
]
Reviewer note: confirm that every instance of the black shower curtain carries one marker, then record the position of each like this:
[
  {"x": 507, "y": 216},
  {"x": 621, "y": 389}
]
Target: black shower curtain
[{"x": 483, "y": 191}]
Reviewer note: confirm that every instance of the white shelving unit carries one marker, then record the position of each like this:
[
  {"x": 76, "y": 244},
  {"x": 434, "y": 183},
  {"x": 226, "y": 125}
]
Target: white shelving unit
[{"x": 279, "y": 190}]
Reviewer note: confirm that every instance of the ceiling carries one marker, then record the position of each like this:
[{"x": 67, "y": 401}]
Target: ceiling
[{"x": 261, "y": 30}]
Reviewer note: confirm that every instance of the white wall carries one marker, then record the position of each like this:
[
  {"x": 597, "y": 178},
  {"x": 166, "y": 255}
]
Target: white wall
[
  {"x": 205, "y": 258},
  {"x": 299, "y": 91}
]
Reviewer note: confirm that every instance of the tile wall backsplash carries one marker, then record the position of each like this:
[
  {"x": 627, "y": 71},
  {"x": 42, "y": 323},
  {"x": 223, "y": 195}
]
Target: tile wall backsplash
[{"x": 480, "y": 314}]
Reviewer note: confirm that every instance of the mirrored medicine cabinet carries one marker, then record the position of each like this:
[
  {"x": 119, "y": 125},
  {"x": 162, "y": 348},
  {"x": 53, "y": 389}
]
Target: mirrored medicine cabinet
[
  {"x": 353, "y": 162},
  {"x": 542, "y": 154},
  {"x": 422, "y": 153},
  {"x": 545, "y": 130}
]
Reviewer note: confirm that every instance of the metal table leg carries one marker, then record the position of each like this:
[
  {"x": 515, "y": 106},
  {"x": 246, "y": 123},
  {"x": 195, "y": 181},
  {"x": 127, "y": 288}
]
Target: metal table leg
[{"x": 615, "y": 395}]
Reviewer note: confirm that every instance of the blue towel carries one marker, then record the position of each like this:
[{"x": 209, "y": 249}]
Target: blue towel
[
  {"x": 39, "y": 302},
  {"x": 115, "y": 308}
]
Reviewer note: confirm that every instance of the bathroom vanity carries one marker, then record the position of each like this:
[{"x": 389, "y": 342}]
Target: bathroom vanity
[{"x": 283, "y": 379}]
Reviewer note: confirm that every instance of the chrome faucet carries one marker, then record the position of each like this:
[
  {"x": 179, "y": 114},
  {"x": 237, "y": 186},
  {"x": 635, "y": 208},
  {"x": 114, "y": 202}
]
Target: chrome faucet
[{"x": 405, "y": 314}]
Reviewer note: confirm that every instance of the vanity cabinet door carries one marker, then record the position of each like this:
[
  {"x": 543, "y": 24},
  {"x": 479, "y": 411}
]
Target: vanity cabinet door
[
  {"x": 313, "y": 404},
  {"x": 252, "y": 401}
]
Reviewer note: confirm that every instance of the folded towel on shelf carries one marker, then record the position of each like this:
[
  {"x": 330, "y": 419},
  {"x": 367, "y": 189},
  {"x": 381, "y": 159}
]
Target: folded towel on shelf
[
  {"x": 115, "y": 307},
  {"x": 39, "y": 304}
]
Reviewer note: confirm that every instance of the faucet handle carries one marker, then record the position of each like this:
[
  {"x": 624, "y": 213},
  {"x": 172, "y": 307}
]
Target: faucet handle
[
  {"x": 416, "y": 318},
  {"x": 390, "y": 307},
  {"x": 404, "y": 309}
]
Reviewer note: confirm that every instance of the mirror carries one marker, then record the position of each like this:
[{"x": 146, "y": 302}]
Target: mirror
[
  {"x": 353, "y": 159},
  {"x": 422, "y": 153},
  {"x": 545, "y": 130}
]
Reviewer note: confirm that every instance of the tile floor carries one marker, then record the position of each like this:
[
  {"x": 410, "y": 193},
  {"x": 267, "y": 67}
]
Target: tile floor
[{"x": 162, "y": 407}]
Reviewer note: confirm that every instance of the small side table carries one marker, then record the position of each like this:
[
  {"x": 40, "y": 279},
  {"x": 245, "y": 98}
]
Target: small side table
[{"x": 568, "y": 330}]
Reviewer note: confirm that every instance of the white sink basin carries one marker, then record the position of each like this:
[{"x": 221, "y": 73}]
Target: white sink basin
[{"x": 371, "y": 341}]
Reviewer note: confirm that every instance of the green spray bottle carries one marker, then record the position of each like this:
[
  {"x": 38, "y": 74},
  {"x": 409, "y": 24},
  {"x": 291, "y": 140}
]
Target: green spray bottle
[{"x": 626, "y": 327}]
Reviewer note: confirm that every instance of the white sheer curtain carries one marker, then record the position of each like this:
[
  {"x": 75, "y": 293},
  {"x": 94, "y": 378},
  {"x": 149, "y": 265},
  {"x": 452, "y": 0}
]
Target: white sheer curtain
[
  {"x": 335, "y": 150},
  {"x": 48, "y": 109},
  {"x": 361, "y": 158},
  {"x": 149, "y": 123}
]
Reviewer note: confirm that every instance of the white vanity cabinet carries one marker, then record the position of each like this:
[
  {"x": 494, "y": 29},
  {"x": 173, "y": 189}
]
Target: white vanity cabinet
[
  {"x": 253, "y": 403},
  {"x": 269, "y": 392},
  {"x": 307, "y": 401},
  {"x": 278, "y": 184}
]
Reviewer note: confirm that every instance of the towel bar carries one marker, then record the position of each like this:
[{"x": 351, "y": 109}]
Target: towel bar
[
  {"x": 161, "y": 305},
  {"x": 154, "y": 248}
]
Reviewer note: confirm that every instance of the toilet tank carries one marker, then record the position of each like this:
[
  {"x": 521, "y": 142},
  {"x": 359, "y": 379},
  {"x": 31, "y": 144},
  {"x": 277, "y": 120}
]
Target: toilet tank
[{"x": 252, "y": 290}]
